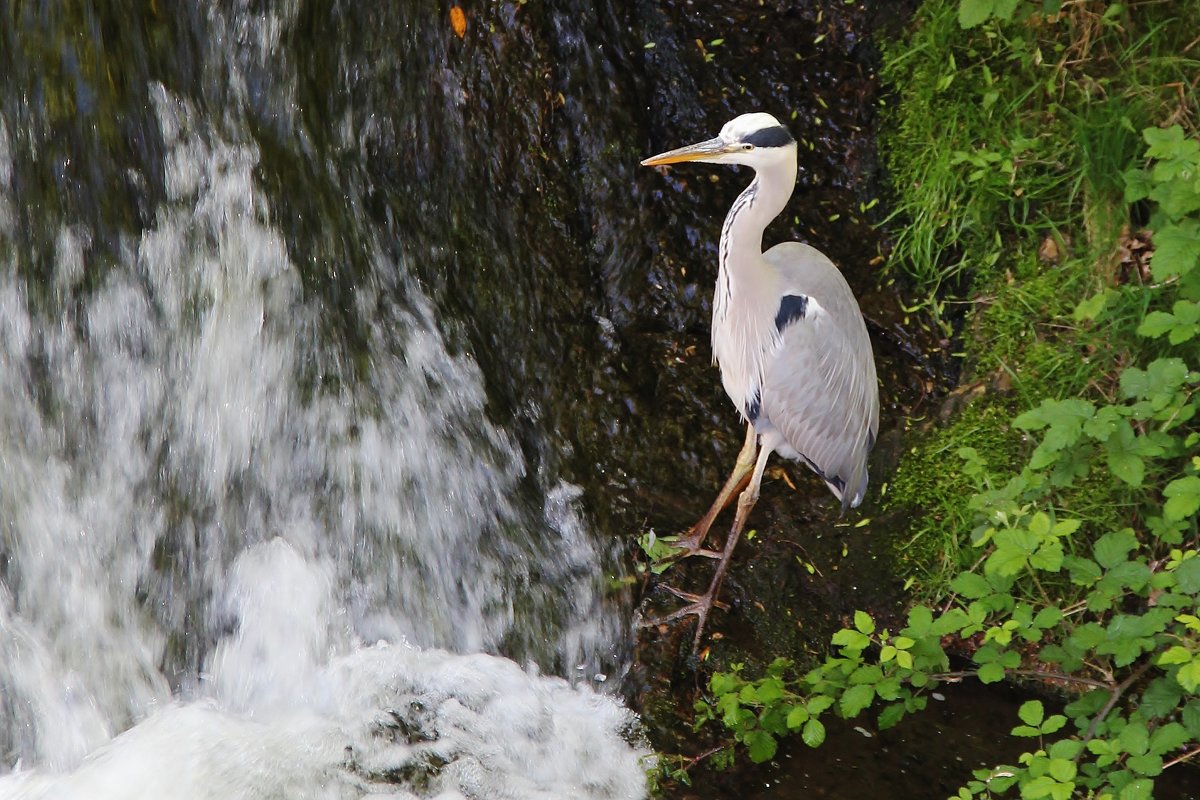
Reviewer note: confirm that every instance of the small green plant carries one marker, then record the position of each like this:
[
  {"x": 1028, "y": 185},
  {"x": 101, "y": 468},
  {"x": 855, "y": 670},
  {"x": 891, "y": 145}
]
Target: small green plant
[{"x": 660, "y": 551}]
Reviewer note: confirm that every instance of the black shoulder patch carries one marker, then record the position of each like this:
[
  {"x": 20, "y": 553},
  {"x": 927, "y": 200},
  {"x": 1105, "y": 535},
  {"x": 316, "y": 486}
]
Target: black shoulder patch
[
  {"x": 792, "y": 307},
  {"x": 754, "y": 407},
  {"x": 770, "y": 137}
]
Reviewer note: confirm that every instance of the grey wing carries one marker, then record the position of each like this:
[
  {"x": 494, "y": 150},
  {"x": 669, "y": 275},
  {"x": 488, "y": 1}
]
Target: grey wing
[{"x": 821, "y": 397}]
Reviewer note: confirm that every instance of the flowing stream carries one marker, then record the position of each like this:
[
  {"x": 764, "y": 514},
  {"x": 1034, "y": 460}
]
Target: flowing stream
[{"x": 263, "y": 532}]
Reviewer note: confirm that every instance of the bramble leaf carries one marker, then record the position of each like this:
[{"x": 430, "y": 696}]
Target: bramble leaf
[{"x": 1183, "y": 498}]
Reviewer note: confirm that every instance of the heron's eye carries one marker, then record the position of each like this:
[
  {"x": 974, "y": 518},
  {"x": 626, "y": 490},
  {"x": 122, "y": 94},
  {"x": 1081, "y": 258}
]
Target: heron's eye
[{"x": 747, "y": 147}]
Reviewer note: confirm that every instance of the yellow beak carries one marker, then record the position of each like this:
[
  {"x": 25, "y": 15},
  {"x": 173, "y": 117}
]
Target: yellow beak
[{"x": 693, "y": 152}]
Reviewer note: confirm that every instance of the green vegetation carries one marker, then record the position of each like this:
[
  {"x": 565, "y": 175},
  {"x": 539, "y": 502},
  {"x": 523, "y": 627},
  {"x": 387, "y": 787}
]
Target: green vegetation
[{"x": 1047, "y": 167}]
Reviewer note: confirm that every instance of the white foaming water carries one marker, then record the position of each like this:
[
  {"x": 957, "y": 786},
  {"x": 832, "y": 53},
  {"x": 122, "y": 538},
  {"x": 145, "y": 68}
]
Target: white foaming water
[
  {"x": 201, "y": 535},
  {"x": 286, "y": 720}
]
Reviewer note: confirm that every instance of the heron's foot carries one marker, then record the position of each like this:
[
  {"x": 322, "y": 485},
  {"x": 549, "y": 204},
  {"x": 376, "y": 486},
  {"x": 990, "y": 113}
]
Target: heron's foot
[
  {"x": 691, "y": 544},
  {"x": 698, "y": 606}
]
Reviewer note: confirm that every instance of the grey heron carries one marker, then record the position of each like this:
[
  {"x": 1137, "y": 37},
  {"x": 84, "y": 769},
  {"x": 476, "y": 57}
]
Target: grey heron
[{"x": 790, "y": 341}]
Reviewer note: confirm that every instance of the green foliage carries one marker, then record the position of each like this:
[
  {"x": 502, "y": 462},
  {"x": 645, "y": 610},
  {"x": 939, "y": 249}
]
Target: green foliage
[
  {"x": 1110, "y": 610},
  {"x": 660, "y": 551},
  {"x": 1014, "y": 121}
]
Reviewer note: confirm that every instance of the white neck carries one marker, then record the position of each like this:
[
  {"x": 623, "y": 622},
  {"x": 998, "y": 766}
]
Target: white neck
[{"x": 741, "y": 235}]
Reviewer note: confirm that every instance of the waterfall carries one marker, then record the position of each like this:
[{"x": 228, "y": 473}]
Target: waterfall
[{"x": 241, "y": 557}]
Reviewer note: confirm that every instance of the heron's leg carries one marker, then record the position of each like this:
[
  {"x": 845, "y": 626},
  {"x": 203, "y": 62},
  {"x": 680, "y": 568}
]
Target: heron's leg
[
  {"x": 692, "y": 542},
  {"x": 701, "y": 604}
]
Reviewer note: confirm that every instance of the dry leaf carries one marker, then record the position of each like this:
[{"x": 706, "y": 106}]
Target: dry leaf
[{"x": 458, "y": 21}]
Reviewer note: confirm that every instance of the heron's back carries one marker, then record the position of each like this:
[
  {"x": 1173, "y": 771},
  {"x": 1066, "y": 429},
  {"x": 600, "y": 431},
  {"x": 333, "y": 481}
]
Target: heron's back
[{"x": 820, "y": 396}]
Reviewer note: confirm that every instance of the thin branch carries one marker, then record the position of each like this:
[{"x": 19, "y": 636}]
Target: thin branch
[
  {"x": 1025, "y": 673},
  {"x": 1112, "y": 700},
  {"x": 1182, "y": 758},
  {"x": 1056, "y": 676},
  {"x": 694, "y": 760}
]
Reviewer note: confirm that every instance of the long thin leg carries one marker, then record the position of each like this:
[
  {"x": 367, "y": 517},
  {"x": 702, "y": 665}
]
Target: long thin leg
[
  {"x": 693, "y": 542},
  {"x": 701, "y": 604}
]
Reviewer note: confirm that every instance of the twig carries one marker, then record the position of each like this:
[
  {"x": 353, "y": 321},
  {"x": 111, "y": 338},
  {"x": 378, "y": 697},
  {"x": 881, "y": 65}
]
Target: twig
[
  {"x": 694, "y": 760},
  {"x": 1112, "y": 700},
  {"x": 1026, "y": 673},
  {"x": 1182, "y": 758}
]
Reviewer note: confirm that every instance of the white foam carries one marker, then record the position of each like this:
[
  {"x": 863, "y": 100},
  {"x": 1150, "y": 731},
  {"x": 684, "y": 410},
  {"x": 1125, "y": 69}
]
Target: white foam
[{"x": 288, "y": 720}]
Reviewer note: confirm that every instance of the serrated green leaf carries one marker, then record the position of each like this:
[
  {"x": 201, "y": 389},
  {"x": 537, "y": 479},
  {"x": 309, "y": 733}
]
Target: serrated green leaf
[
  {"x": 1189, "y": 676},
  {"x": 971, "y": 585},
  {"x": 1156, "y": 323},
  {"x": 855, "y": 699},
  {"x": 1176, "y": 249},
  {"x": 863, "y": 622},
  {"x": 1083, "y": 571},
  {"x": 797, "y": 717},
  {"x": 991, "y": 673},
  {"x": 1031, "y": 712},
  {"x": 1054, "y": 724},
  {"x": 1066, "y": 748},
  {"x": 1113, "y": 548},
  {"x": 953, "y": 620},
  {"x": 1160, "y": 699},
  {"x": 1183, "y": 498},
  {"x": 1187, "y": 576},
  {"x": 1039, "y": 787},
  {"x": 1175, "y": 655},
  {"x": 973, "y": 13},
  {"x": 891, "y": 715},
  {"x": 920, "y": 618},
  {"x": 1062, "y": 769},
  {"x": 770, "y": 691},
  {"x": 819, "y": 704},
  {"x": 1049, "y": 557},
  {"x": 1134, "y": 738},
  {"x": 851, "y": 638},
  {"x": 762, "y": 746},
  {"x": 723, "y": 683},
  {"x": 813, "y": 733},
  {"x": 1168, "y": 738},
  {"x": 1139, "y": 789},
  {"x": 1191, "y": 718},
  {"x": 1149, "y": 764},
  {"x": 1047, "y": 618},
  {"x": 1126, "y": 466},
  {"x": 1065, "y": 527}
]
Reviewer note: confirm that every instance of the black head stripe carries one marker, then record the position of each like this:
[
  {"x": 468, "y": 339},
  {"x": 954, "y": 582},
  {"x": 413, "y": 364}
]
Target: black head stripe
[{"x": 770, "y": 137}]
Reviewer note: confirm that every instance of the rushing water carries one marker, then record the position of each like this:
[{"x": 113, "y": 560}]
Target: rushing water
[{"x": 264, "y": 534}]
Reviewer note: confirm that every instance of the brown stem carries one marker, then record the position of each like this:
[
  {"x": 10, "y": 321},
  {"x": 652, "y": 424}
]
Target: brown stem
[
  {"x": 1182, "y": 758},
  {"x": 1028, "y": 673},
  {"x": 1117, "y": 691}
]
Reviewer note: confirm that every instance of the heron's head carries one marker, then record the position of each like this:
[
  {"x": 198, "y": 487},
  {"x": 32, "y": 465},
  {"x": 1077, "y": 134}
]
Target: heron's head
[{"x": 755, "y": 140}]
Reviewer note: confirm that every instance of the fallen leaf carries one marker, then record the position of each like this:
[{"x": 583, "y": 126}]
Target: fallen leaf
[{"x": 458, "y": 21}]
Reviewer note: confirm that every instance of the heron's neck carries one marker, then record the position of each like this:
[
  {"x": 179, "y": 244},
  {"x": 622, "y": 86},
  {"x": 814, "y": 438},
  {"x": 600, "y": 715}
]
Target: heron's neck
[{"x": 761, "y": 202}]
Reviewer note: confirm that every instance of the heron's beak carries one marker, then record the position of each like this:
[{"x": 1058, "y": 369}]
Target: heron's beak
[{"x": 693, "y": 152}]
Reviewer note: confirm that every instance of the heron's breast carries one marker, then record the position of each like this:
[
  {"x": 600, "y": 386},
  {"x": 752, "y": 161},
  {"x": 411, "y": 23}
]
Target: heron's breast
[{"x": 743, "y": 339}]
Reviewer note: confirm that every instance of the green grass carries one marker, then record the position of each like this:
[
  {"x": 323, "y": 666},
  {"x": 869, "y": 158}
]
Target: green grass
[
  {"x": 1002, "y": 141},
  {"x": 1003, "y": 134}
]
